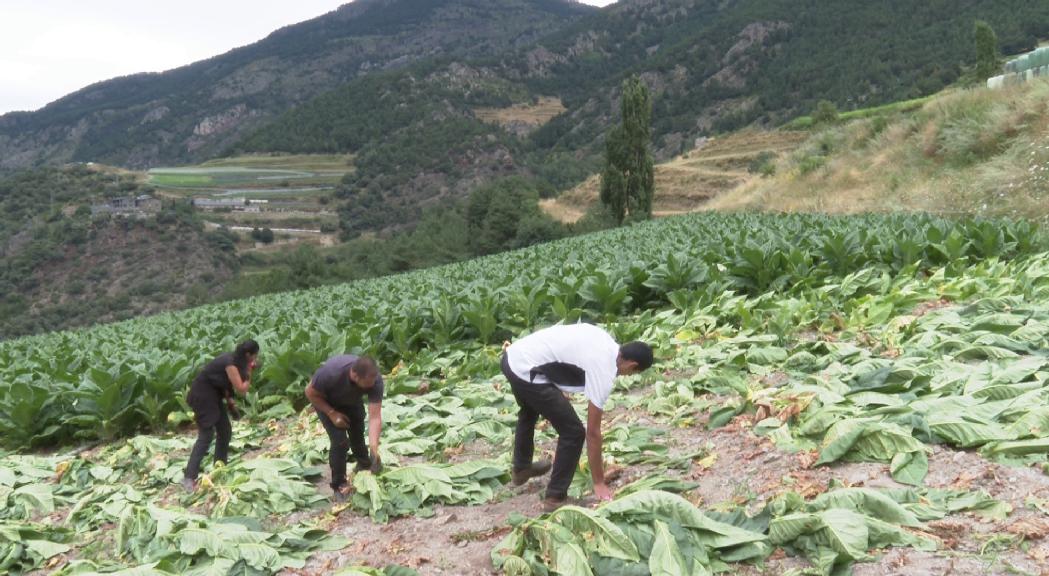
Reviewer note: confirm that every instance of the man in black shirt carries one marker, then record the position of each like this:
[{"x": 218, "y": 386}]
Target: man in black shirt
[{"x": 337, "y": 391}]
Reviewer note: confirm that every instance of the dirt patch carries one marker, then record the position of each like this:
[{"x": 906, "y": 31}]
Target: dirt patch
[
  {"x": 523, "y": 118},
  {"x": 749, "y": 470},
  {"x": 456, "y": 540}
]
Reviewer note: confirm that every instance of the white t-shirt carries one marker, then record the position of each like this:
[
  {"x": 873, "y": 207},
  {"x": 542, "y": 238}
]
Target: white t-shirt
[{"x": 582, "y": 355}]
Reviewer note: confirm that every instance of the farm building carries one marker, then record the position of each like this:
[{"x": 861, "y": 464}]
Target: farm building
[
  {"x": 128, "y": 206},
  {"x": 1034, "y": 64},
  {"x": 219, "y": 203}
]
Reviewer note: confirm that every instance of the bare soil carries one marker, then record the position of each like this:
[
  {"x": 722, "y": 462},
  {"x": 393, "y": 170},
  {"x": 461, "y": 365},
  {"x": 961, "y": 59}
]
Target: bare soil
[{"x": 746, "y": 470}]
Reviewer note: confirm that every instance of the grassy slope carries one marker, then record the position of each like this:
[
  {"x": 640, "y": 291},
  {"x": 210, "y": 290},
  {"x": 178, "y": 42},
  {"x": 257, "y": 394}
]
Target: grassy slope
[
  {"x": 966, "y": 151},
  {"x": 688, "y": 182}
]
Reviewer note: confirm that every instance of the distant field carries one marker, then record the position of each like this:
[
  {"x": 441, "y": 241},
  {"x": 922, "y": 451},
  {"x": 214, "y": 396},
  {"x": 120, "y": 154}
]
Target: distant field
[
  {"x": 804, "y": 122},
  {"x": 297, "y": 187},
  {"x": 255, "y": 172},
  {"x": 220, "y": 178},
  {"x": 276, "y": 193},
  {"x": 303, "y": 162}
]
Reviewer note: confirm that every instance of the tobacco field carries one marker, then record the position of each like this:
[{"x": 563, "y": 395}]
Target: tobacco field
[{"x": 832, "y": 395}]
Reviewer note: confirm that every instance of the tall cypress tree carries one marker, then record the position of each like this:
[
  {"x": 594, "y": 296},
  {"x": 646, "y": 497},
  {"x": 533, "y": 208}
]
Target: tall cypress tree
[
  {"x": 986, "y": 50},
  {"x": 627, "y": 182}
]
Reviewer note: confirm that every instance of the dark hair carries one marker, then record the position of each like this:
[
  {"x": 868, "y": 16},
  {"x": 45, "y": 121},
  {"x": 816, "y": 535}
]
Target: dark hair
[
  {"x": 637, "y": 352},
  {"x": 244, "y": 348},
  {"x": 365, "y": 366}
]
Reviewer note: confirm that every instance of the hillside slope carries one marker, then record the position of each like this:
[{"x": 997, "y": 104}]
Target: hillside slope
[
  {"x": 420, "y": 133},
  {"x": 687, "y": 183},
  {"x": 61, "y": 267},
  {"x": 965, "y": 152}
]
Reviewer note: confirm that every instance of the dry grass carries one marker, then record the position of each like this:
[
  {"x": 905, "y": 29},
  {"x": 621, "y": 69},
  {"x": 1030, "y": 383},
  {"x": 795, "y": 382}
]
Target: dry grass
[
  {"x": 562, "y": 211},
  {"x": 529, "y": 114},
  {"x": 964, "y": 152},
  {"x": 689, "y": 182}
]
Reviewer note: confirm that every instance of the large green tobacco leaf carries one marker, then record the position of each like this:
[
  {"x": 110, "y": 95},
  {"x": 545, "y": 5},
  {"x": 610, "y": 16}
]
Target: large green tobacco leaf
[
  {"x": 656, "y": 504},
  {"x": 29, "y": 500},
  {"x": 188, "y": 543},
  {"x": 259, "y": 487},
  {"x": 605, "y": 538},
  {"x": 909, "y": 467},
  {"x": 28, "y": 414},
  {"x": 666, "y": 558},
  {"x": 859, "y": 439},
  {"x": 967, "y": 433},
  {"x": 836, "y": 537},
  {"x": 645, "y": 532},
  {"x": 25, "y": 547},
  {"x": 413, "y": 489},
  {"x": 1018, "y": 447},
  {"x": 870, "y": 502},
  {"x": 562, "y": 548}
]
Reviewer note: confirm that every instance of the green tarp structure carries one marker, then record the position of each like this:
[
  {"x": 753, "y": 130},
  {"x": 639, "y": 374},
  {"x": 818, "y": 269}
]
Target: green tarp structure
[{"x": 1034, "y": 64}]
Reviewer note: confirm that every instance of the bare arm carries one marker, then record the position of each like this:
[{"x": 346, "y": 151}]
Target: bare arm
[
  {"x": 593, "y": 451},
  {"x": 241, "y": 386},
  {"x": 374, "y": 426},
  {"x": 318, "y": 400}
]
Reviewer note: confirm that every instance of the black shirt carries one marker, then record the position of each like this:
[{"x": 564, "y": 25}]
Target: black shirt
[
  {"x": 332, "y": 380},
  {"x": 212, "y": 382}
]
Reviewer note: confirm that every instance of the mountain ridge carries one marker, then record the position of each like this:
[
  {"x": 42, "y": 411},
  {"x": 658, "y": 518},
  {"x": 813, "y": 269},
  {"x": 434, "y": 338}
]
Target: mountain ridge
[{"x": 191, "y": 112}]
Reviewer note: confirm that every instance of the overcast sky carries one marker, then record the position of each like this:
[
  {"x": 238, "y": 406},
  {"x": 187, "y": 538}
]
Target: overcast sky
[{"x": 49, "y": 48}]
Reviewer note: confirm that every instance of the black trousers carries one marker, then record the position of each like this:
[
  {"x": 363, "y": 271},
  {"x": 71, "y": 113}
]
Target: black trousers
[
  {"x": 546, "y": 400},
  {"x": 212, "y": 420},
  {"x": 342, "y": 441}
]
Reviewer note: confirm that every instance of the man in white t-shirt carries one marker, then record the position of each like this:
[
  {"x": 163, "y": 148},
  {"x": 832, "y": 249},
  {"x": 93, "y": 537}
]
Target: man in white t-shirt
[{"x": 541, "y": 368}]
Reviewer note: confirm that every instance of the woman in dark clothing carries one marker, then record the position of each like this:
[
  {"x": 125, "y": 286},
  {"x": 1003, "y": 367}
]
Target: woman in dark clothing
[{"x": 212, "y": 390}]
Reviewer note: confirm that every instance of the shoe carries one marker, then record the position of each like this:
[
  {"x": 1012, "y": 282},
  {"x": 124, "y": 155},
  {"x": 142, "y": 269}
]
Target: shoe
[
  {"x": 189, "y": 485},
  {"x": 341, "y": 494},
  {"x": 519, "y": 477},
  {"x": 551, "y": 504}
]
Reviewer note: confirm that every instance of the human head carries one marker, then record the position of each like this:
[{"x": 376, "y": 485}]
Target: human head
[
  {"x": 634, "y": 357},
  {"x": 247, "y": 350},
  {"x": 364, "y": 372}
]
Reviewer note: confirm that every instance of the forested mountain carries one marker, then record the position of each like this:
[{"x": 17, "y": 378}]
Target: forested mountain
[
  {"x": 190, "y": 113},
  {"x": 711, "y": 65},
  {"x": 410, "y": 87}
]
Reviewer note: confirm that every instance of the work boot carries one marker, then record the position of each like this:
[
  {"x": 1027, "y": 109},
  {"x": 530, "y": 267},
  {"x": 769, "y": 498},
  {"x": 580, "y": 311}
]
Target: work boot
[
  {"x": 523, "y": 475},
  {"x": 551, "y": 504}
]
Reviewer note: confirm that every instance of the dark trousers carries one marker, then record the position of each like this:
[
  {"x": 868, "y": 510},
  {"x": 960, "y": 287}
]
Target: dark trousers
[
  {"x": 546, "y": 400},
  {"x": 211, "y": 422},
  {"x": 342, "y": 441}
]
